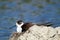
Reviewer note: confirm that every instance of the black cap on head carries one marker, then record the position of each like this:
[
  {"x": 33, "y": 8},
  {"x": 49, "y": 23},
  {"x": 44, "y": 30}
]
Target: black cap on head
[{"x": 19, "y": 21}]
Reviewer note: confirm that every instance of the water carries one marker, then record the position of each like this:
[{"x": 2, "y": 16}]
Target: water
[{"x": 28, "y": 12}]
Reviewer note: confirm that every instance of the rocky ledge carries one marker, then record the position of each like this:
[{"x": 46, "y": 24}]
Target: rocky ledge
[{"x": 38, "y": 33}]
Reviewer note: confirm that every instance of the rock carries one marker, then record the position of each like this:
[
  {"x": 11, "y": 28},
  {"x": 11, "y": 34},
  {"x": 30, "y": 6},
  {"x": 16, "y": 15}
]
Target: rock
[
  {"x": 58, "y": 29},
  {"x": 39, "y": 33}
]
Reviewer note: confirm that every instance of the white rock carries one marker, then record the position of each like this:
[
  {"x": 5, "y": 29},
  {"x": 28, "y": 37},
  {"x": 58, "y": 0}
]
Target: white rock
[
  {"x": 40, "y": 33},
  {"x": 58, "y": 29}
]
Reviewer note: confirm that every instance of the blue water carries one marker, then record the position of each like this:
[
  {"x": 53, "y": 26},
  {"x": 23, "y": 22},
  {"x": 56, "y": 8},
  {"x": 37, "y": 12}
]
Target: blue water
[{"x": 10, "y": 12}]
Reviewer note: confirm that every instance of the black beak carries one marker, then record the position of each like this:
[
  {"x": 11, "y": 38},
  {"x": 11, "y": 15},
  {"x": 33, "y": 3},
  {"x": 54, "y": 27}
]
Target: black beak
[{"x": 12, "y": 26}]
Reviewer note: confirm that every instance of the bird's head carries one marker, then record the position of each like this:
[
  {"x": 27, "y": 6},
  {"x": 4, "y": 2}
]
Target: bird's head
[{"x": 19, "y": 23}]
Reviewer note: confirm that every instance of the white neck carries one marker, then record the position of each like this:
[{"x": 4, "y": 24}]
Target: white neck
[{"x": 19, "y": 25}]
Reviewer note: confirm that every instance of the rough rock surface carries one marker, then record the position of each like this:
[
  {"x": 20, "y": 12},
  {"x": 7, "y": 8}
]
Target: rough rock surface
[{"x": 38, "y": 33}]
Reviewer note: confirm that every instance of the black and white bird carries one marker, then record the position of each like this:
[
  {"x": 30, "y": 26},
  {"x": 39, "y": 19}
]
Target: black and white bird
[{"x": 22, "y": 27}]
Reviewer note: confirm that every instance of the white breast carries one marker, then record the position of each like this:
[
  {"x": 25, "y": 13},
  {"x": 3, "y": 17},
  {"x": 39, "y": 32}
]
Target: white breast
[{"x": 19, "y": 29}]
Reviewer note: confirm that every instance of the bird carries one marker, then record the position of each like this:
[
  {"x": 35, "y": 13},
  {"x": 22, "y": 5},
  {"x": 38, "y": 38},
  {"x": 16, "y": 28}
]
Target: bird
[{"x": 23, "y": 27}]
